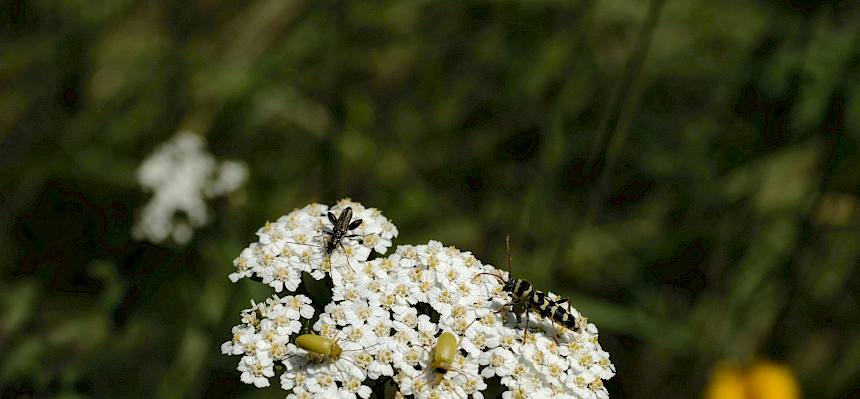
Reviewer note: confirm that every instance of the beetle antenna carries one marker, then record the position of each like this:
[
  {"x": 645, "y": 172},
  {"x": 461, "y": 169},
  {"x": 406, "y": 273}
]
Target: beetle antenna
[
  {"x": 363, "y": 348},
  {"x": 467, "y": 375},
  {"x": 340, "y": 370},
  {"x": 302, "y": 243},
  {"x": 345, "y": 255},
  {"x": 501, "y": 280},
  {"x": 508, "y": 246},
  {"x": 465, "y": 330}
]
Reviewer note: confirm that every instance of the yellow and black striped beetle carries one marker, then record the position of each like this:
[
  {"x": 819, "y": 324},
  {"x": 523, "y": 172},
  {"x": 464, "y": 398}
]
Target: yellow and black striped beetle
[{"x": 526, "y": 296}]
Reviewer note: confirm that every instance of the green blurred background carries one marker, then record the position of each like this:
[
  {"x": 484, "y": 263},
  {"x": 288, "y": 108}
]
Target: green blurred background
[{"x": 686, "y": 171}]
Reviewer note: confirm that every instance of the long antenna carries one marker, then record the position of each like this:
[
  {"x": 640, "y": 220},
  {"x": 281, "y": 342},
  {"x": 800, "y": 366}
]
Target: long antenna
[{"x": 508, "y": 246}]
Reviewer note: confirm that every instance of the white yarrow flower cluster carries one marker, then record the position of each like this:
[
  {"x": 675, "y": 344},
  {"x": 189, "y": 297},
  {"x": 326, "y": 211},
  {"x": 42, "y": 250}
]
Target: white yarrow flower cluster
[
  {"x": 264, "y": 335},
  {"x": 363, "y": 356},
  {"x": 182, "y": 175},
  {"x": 387, "y": 314},
  {"x": 296, "y": 244},
  {"x": 469, "y": 303}
]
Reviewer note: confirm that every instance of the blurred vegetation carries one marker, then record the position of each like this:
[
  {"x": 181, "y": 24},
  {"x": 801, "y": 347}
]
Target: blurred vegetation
[{"x": 687, "y": 171}]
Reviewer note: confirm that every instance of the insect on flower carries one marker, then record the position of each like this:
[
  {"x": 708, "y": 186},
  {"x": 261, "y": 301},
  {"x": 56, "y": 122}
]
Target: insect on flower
[
  {"x": 526, "y": 297},
  {"x": 325, "y": 347},
  {"x": 335, "y": 235},
  {"x": 444, "y": 353},
  {"x": 341, "y": 225},
  {"x": 336, "y": 360},
  {"x": 318, "y": 240},
  {"x": 448, "y": 372}
]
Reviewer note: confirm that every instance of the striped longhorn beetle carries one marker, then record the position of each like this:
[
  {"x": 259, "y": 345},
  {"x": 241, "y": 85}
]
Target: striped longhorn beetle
[{"x": 526, "y": 297}]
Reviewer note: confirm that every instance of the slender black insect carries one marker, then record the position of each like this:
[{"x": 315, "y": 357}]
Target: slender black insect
[
  {"x": 526, "y": 297},
  {"x": 341, "y": 226}
]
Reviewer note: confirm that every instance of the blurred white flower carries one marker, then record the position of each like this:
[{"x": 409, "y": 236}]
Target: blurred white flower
[
  {"x": 182, "y": 175},
  {"x": 227, "y": 178}
]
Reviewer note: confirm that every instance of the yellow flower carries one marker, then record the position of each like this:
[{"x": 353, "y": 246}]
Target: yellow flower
[
  {"x": 727, "y": 382},
  {"x": 762, "y": 380},
  {"x": 767, "y": 380}
]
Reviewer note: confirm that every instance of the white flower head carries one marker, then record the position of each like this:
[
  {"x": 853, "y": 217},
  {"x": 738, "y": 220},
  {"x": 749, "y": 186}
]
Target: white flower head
[
  {"x": 182, "y": 175},
  {"x": 307, "y": 241},
  {"x": 388, "y": 316},
  {"x": 256, "y": 369},
  {"x": 264, "y": 335},
  {"x": 339, "y": 359},
  {"x": 429, "y": 367},
  {"x": 475, "y": 307}
]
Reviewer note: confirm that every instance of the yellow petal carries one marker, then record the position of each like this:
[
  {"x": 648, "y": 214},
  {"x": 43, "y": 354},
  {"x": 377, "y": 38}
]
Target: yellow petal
[
  {"x": 726, "y": 383},
  {"x": 767, "y": 380}
]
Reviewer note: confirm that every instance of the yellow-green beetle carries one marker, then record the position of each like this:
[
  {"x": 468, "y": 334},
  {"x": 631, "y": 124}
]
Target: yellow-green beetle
[
  {"x": 320, "y": 345},
  {"x": 444, "y": 352},
  {"x": 445, "y": 359}
]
